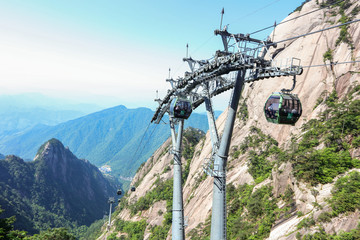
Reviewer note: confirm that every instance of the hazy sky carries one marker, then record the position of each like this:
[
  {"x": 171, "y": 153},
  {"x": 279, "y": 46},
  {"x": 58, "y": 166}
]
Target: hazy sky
[{"x": 114, "y": 52}]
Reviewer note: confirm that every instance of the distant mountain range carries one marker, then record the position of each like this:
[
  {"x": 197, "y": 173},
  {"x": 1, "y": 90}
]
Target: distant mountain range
[
  {"x": 55, "y": 190},
  {"x": 23, "y": 111},
  {"x": 120, "y": 137}
]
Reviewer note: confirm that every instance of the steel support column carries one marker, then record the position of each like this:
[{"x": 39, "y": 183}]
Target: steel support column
[
  {"x": 178, "y": 232},
  {"x": 211, "y": 120},
  {"x": 218, "y": 218}
]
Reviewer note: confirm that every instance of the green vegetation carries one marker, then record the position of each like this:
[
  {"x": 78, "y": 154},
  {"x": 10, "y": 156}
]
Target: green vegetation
[
  {"x": 94, "y": 231},
  {"x": 250, "y": 215},
  {"x": 243, "y": 112},
  {"x": 298, "y": 9},
  {"x": 306, "y": 223},
  {"x": 202, "y": 231},
  {"x": 288, "y": 196},
  {"x": 53, "y": 234},
  {"x": 336, "y": 3},
  {"x": 161, "y": 232},
  {"x": 7, "y": 232},
  {"x": 199, "y": 179},
  {"x": 321, "y": 98},
  {"x": 161, "y": 191},
  {"x": 236, "y": 152},
  {"x": 7, "y": 229},
  {"x": 328, "y": 55},
  {"x": 260, "y": 148},
  {"x": 355, "y": 11},
  {"x": 346, "y": 194},
  {"x": 319, "y": 235},
  {"x": 191, "y": 138},
  {"x": 134, "y": 230},
  {"x": 321, "y": 166},
  {"x": 342, "y": 6},
  {"x": 344, "y": 35},
  {"x": 338, "y": 128}
]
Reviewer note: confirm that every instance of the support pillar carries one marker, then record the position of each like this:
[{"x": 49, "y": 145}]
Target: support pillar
[
  {"x": 211, "y": 120},
  {"x": 178, "y": 232},
  {"x": 218, "y": 218}
]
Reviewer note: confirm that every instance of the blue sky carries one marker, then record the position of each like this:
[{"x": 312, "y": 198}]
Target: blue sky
[{"x": 114, "y": 52}]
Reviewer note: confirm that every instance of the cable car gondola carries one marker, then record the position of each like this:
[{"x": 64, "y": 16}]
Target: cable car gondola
[
  {"x": 133, "y": 189},
  {"x": 180, "y": 108},
  {"x": 283, "y": 108}
]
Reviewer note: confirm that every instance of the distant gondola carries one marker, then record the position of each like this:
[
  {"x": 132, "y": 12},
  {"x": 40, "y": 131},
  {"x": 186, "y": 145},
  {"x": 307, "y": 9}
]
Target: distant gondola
[
  {"x": 180, "y": 108},
  {"x": 133, "y": 189},
  {"x": 283, "y": 108}
]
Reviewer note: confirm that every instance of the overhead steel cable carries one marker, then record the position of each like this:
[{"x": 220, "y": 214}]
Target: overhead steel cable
[
  {"x": 321, "y": 30},
  {"x": 293, "y": 18},
  {"x": 253, "y": 12},
  {"x": 142, "y": 138},
  {"x": 310, "y": 33},
  {"x": 144, "y": 145},
  {"x": 331, "y": 64}
]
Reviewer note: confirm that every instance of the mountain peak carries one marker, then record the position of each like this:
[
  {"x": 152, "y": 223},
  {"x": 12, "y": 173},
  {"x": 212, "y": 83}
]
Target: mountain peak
[
  {"x": 68, "y": 191},
  {"x": 56, "y": 160},
  {"x": 51, "y": 146},
  {"x": 12, "y": 158},
  {"x": 54, "y": 143}
]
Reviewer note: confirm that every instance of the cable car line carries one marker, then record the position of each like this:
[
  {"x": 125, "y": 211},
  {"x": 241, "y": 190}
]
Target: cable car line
[
  {"x": 306, "y": 34},
  {"x": 293, "y": 18},
  {"x": 331, "y": 64},
  {"x": 146, "y": 143},
  {"x": 310, "y": 33},
  {"x": 142, "y": 138},
  {"x": 255, "y": 11},
  {"x": 207, "y": 78}
]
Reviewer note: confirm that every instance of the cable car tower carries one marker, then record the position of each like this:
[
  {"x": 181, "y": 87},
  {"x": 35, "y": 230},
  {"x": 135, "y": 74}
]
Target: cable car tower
[{"x": 241, "y": 61}]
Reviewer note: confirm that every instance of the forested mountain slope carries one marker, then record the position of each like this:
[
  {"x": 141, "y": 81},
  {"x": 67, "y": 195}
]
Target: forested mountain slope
[
  {"x": 55, "y": 190},
  {"x": 283, "y": 182}
]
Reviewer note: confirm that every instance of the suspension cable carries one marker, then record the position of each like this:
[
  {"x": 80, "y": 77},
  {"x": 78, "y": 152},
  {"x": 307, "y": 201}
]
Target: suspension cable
[
  {"x": 310, "y": 33},
  {"x": 147, "y": 140},
  {"x": 142, "y": 138},
  {"x": 331, "y": 64},
  {"x": 255, "y": 11},
  {"x": 293, "y": 18}
]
